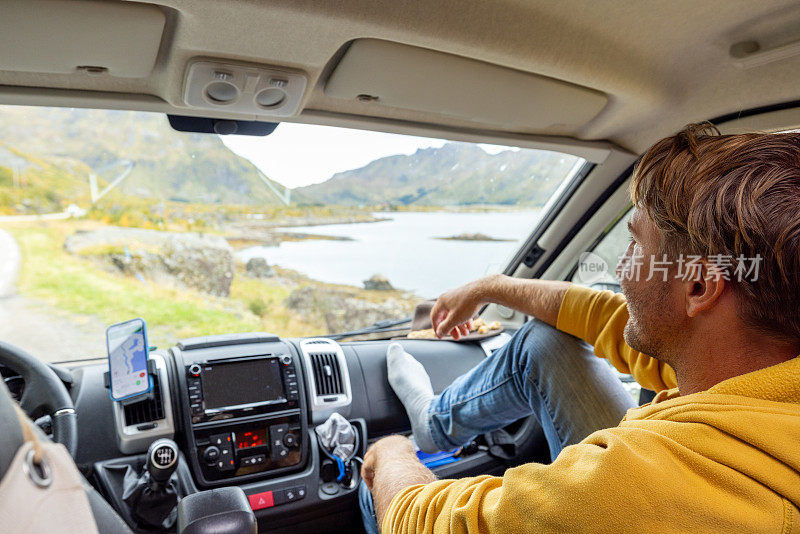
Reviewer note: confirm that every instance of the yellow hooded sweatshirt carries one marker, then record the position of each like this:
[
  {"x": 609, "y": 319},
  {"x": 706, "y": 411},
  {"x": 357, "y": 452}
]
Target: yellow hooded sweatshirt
[{"x": 722, "y": 460}]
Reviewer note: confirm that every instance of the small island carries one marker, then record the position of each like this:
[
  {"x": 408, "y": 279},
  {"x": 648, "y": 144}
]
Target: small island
[{"x": 471, "y": 237}]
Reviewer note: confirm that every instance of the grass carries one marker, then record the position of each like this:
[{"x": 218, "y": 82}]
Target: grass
[
  {"x": 121, "y": 209},
  {"x": 264, "y": 299},
  {"x": 258, "y": 306},
  {"x": 83, "y": 287}
]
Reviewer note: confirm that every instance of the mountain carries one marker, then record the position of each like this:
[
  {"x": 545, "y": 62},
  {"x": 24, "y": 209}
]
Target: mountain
[
  {"x": 30, "y": 184},
  {"x": 65, "y": 144},
  {"x": 454, "y": 174},
  {"x": 168, "y": 164}
]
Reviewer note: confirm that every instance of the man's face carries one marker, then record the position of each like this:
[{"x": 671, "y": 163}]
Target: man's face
[{"x": 650, "y": 287}]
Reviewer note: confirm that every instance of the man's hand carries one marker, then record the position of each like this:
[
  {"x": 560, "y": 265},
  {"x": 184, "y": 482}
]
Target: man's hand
[
  {"x": 394, "y": 445},
  {"x": 453, "y": 312},
  {"x": 390, "y": 466}
]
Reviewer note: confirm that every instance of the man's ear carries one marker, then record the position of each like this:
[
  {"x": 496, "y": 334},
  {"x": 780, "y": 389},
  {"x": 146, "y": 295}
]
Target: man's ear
[{"x": 704, "y": 290}]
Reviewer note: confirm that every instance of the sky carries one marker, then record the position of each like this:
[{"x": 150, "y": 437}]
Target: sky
[{"x": 302, "y": 154}]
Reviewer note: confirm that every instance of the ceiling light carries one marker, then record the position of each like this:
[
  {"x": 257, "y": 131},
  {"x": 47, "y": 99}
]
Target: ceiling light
[
  {"x": 222, "y": 92},
  {"x": 270, "y": 97}
]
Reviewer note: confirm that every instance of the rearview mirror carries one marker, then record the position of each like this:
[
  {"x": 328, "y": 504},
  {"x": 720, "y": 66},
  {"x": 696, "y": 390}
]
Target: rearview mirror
[{"x": 183, "y": 123}]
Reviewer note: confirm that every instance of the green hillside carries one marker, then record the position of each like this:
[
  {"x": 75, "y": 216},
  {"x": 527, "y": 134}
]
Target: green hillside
[
  {"x": 169, "y": 165},
  {"x": 30, "y": 184},
  {"x": 53, "y": 149},
  {"x": 455, "y": 174}
]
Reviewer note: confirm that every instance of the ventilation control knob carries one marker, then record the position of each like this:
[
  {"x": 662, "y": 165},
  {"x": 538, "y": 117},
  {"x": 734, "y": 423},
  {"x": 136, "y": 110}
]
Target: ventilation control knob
[
  {"x": 290, "y": 440},
  {"x": 211, "y": 454}
]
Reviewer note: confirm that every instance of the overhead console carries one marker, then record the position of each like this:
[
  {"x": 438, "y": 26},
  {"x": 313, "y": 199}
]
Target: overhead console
[
  {"x": 244, "y": 406},
  {"x": 256, "y": 90}
]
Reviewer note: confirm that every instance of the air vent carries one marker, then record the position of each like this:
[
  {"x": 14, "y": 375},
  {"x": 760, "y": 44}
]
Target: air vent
[
  {"x": 146, "y": 411},
  {"x": 140, "y": 423},
  {"x": 328, "y": 379},
  {"x": 327, "y": 375}
]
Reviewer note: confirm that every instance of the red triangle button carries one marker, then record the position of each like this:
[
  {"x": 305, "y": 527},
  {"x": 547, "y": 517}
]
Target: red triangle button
[{"x": 259, "y": 501}]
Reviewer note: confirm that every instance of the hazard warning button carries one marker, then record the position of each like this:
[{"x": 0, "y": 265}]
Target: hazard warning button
[{"x": 261, "y": 500}]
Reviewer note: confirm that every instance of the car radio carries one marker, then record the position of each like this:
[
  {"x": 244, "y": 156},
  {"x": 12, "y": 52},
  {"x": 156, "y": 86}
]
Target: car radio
[
  {"x": 249, "y": 448},
  {"x": 245, "y": 416},
  {"x": 239, "y": 387}
]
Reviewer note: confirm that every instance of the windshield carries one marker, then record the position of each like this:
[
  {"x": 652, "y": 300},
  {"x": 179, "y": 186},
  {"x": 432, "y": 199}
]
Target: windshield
[{"x": 112, "y": 215}]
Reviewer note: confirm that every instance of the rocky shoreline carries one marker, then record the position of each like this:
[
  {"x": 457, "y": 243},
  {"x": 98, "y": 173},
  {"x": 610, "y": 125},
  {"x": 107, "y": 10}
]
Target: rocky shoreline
[
  {"x": 266, "y": 238},
  {"x": 206, "y": 263},
  {"x": 322, "y": 221},
  {"x": 268, "y": 233},
  {"x": 471, "y": 237}
]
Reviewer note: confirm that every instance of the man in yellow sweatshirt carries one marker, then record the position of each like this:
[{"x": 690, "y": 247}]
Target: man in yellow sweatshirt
[{"x": 716, "y": 333}]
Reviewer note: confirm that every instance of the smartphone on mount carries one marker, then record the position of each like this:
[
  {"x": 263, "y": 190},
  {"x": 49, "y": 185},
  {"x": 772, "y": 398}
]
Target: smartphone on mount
[{"x": 127, "y": 360}]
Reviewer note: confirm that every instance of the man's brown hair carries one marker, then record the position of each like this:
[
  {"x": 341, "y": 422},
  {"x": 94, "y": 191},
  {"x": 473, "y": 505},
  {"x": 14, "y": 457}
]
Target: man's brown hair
[{"x": 733, "y": 195}]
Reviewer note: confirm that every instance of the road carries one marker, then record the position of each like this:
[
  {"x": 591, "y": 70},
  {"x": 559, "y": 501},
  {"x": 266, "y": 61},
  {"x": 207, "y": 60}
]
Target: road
[
  {"x": 9, "y": 264},
  {"x": 45, "y": 332},
  {"x": 32, "y": 218}
]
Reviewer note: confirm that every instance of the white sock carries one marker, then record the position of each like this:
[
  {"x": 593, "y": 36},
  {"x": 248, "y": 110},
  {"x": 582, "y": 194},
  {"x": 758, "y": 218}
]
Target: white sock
[{"x": 413, "y": 387}]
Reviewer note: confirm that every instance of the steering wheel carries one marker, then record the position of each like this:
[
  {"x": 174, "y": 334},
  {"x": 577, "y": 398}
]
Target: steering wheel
[{"x": 45, "y": 394}]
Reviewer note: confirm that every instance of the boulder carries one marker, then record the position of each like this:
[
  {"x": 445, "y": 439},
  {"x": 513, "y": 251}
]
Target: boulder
[
  {"x": 353, "y": 314},
  {"x": 378, "y": 282},
  {"x": 341, "y": 310},
  {"x": 258, "y": 268},
  {"x": 201, "y": 262},
  {"x": 202, "y": 266}
]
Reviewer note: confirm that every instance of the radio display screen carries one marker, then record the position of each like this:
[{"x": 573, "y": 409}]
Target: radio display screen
[{"x": 245, "y": 382}]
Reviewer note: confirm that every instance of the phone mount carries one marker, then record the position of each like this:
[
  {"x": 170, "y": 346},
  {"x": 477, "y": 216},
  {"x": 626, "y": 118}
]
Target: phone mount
[{"x": 151, "y": 370}]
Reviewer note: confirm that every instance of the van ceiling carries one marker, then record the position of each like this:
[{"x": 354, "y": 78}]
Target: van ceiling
[{"x": 618, "y": 71}]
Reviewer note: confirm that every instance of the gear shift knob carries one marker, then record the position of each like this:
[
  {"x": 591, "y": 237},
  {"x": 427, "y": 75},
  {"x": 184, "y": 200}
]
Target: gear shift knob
[{"x": 162, "y": 460}]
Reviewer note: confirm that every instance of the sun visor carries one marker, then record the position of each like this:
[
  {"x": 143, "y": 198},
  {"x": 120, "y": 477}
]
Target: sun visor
[
  {"x": 68, "y": 36},
  {"x": 419, "y": 79}
]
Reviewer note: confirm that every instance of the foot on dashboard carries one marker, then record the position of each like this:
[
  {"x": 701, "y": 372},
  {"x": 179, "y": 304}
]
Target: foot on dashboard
[{"x": 413, "y": 387}]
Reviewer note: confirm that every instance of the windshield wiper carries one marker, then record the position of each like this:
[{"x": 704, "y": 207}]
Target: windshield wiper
[{"x": 386, "y": 325}]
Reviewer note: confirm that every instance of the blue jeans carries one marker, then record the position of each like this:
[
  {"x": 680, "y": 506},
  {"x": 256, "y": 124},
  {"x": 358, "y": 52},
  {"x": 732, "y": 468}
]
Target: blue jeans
[{"x": 540, "y": 371}]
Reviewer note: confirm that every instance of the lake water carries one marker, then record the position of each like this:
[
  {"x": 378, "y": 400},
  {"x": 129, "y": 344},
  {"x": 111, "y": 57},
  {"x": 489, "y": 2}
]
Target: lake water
[{"x": 404, "y": 249}]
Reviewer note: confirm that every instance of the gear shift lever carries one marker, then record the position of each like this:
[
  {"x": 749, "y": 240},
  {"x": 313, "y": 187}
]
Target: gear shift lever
[
  {"x": 151, "y": 495},
  {"x": 162, "y": 460}
]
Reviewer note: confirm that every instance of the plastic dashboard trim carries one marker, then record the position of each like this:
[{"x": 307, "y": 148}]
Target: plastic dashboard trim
[
  {"x": 320, "y": 411},
  {"x": 132, "y": 441},
  {"x": 188, "y": 434}
]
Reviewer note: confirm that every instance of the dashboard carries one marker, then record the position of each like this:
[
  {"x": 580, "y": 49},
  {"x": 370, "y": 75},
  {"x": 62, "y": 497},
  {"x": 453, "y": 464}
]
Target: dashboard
[{"x": 243, "y": 408}]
